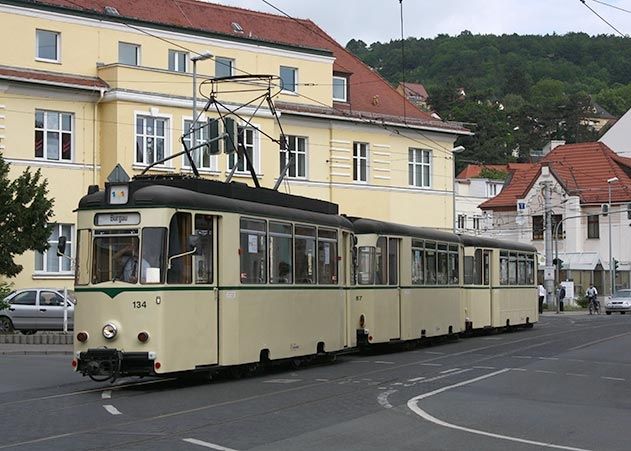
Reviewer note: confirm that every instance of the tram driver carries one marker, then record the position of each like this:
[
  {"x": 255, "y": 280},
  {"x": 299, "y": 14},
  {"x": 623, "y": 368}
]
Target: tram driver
[{"x": 127, "y": 264}]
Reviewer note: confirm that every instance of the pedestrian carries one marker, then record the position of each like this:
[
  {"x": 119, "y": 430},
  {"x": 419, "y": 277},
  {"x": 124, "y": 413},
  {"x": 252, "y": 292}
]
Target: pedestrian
[
  {"x": 542, "y": 296},
  {"x": 561, "y": 297}
]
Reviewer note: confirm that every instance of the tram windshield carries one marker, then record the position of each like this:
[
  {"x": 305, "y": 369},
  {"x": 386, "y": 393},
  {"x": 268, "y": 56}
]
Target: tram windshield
[{"x": 115, "y": 256}]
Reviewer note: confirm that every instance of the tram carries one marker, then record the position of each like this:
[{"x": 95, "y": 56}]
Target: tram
[{"x": 179, "y": 274}]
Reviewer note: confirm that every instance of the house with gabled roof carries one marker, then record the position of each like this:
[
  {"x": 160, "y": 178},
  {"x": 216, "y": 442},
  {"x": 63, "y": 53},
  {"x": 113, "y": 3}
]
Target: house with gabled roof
[
  {"x": 86, "y": 85},
  {"x": 584, "y": 177}
]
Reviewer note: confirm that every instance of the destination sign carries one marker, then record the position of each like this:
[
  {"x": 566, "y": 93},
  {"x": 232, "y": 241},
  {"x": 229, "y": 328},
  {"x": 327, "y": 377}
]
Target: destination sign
[{"x": 117, "y": 219}]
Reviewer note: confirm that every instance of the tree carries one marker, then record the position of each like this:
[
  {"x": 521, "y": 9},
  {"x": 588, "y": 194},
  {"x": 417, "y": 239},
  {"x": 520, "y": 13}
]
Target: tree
[{"x": 24, "y": 213}]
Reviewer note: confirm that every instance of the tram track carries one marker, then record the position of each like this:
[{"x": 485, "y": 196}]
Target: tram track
[{"x": 383, "y": 370}]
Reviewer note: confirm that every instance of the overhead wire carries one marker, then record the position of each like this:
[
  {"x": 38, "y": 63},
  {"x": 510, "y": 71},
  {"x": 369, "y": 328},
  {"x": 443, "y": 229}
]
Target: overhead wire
[{"x": 602, "y": 18}]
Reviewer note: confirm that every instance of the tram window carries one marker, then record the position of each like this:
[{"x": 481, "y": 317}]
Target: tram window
[
  {"x": 380, "y": 268},
  {"x": 477, "y": 269},
  {"x": 180, "y": 271},
  {"x": 430, "y": 263},
  {"x": 82, "y": 268},
  {"x": 469, "y": 270},
  {"x": 327, "y": 256},
  {"x": 521, "y": 269},
  {"x": 504, "y": 268},
  {"x": 418, "y": 263},
  {"x": 281, "y": 249},
  {"x": 113, "y": 255},
  {"x": 486, "y": 267},
  {"x": 443, "y": 265},
  {"x": 305, "y": 252},
  {"x": 253, "y": 251},
  {"x": 393, "y": 261},
  {"x": 365, "y": 267},
  {"x": 353, "y": 259},
  {"x": 204, "y": 256},
  {"x": 153, "y": 246},
  {"x": 530, "y": 270},
  {"x": 454, "y": 269},
  {"x": 512, "y": 269}
]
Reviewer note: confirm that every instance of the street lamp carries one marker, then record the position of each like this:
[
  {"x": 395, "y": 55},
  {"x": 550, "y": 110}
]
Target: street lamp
[
  {"x": 200, "y": 57},
  {"x": 454, "y": 151},
  {"x": 612, "y": 280}
]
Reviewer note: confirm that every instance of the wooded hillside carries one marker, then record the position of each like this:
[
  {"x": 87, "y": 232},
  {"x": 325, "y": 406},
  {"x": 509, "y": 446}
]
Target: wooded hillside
[{"x": 521, "y": 91}]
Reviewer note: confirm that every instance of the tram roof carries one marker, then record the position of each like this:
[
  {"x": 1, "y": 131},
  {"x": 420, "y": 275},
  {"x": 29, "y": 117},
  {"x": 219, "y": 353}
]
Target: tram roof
[
  {"x": 200, "y": 194},
  {"x": 364, "y": 225},
  {"x": 477, "y": 241}
]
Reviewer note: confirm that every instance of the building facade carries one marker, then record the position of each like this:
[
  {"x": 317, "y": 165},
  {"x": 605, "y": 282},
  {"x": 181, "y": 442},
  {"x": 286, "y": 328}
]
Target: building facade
[
  {"x": 87, "y": 85},
  {"x": 583, "y": 177}
]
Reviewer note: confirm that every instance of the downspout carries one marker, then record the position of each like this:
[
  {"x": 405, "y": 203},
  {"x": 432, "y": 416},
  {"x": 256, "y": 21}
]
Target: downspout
[
  {"x": 330, "y": 161},
  {"x": 95, "y": 134}
]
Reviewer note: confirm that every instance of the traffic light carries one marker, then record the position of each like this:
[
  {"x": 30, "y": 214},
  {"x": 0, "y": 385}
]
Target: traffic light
[
  {"x": 557, "y": 262},
  {"x": 604, "y": 209},
  {"x": 615, "y": 264}
]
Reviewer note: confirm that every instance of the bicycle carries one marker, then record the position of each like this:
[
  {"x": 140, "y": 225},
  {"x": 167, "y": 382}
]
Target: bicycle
[{"x": 594, "y": 305}]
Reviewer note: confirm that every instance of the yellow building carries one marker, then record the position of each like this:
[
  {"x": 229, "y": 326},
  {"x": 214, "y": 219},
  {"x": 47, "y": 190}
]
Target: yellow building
[{"x": 85, "y": 85}]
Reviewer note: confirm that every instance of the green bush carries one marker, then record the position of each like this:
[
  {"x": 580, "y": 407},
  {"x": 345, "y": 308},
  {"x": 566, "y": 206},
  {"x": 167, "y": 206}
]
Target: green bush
[
  {"x": 5, "y": 289},
  {"x": 582, "y": 301}
]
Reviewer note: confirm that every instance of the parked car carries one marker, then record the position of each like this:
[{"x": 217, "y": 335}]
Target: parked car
[
  {"x": 619, "y": 302},
  {"x": 34, "y": 309}
]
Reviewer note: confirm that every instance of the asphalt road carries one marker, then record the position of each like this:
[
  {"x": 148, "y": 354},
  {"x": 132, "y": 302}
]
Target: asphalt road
[{"x": 562, "y": 385}]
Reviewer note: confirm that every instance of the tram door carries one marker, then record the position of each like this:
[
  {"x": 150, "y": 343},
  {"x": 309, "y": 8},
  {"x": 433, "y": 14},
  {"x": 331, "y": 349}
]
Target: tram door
[{"x": 486, "y": 279}]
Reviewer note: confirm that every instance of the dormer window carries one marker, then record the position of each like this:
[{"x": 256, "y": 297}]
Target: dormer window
[
  {"x": 340, "y": 89},
  {"x": 237, "y": 28}
]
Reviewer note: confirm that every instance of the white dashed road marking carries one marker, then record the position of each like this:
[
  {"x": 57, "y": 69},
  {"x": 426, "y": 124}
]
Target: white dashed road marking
[
  {"x": 431, "y": 364},
  {"x": 207, "y": 445},
  {"x": 382, "y": 399},
  {"x": 111, "y": 409},
  {"x": 416, "y": 379},
  {"x": 413, "y": 405},
  {"x": 383, "y": 362},
  {"x": 281, "y": 381},
  {"x": 107, "y": 394},
  {"x": 613, "y": 378},
  {"x": 449, "y": 371}
]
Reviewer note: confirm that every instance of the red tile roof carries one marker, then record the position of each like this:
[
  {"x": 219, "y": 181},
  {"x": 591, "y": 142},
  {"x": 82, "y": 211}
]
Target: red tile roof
[
  {"x": 368, "y": 91},
  {"x": 52, "y": 78},
  {"x": 581, "y": 169},
  {"x": 473, "y": 170},
  {"x": 414, "y": 89}
]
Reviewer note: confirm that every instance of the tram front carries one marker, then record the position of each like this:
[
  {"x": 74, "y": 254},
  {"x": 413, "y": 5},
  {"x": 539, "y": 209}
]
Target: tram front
[{"x": 141, "y": 308}]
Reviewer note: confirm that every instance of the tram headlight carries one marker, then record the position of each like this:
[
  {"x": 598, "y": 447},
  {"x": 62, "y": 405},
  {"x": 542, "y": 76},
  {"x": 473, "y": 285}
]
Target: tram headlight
[{"x": 109, "y": 331}]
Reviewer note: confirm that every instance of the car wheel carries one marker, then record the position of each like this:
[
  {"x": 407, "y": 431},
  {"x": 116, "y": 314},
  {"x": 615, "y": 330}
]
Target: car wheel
[
  {"x": 6, "y": 325},
  {"x": 28, "y": 331},
  {"x": 608, "y": 313}
]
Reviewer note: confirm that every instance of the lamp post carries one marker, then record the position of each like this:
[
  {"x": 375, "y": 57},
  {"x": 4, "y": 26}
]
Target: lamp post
[
  {"x": 201, "y": 57},
  {"x": 612, "y": 280},
  {"x": 454, "y": 151}
]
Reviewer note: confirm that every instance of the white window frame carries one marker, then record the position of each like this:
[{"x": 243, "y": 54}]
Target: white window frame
[
  {"x": 417, "y": 160},
  {"x": 53, "y": 248},
  {"x": 57, "y": 46},
  {"x": 476, "y": 222},
  {"x": 345, "y": 86},
  {"x": 358, "y": 159},
  {"x": 201, "y": 137},
  {"x": 59, "y": 131},
  {"x": 493, "y": 189},
  {"x": 167, "y": 136},
  {"x": 221, "y": 61},
  {"x": 256, "y": 154},
  {"x": 176, "y": 65},
  {"x": 461, "y": 222},
  {"x": 284, "y": 155},
  {"x": 295, "y": 72},
  {"x": 131, "y": 44}
]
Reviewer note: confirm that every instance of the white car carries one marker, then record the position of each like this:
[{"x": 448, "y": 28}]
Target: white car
[
  {"x": 619, "y": 302},
  {"x": 34, "y": 309}
]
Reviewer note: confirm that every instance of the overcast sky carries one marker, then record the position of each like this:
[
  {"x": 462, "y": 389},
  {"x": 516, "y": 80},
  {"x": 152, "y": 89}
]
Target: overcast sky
[{"x": 379, "y": 20}]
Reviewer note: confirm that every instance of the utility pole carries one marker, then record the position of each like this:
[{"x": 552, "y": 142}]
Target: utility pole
[{"x": 548, "y": 273}]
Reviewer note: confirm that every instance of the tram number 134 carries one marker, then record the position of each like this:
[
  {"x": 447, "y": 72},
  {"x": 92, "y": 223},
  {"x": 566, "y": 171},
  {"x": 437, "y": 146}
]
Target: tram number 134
[{"x": 139, "y": 304}]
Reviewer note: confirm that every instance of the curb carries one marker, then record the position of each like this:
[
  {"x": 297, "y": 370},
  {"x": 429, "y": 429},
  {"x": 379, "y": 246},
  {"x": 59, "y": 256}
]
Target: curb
[
  {"x": 37, "y": 339},
  {"x": 35, "y": 352}
]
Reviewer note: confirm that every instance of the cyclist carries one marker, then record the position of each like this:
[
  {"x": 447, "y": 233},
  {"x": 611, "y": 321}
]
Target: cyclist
[{"x": 592, "y": 296}]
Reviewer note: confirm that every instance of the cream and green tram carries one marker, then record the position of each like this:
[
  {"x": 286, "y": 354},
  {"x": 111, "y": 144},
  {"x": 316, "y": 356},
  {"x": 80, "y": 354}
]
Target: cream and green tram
[
  {"x": 499, "y": 283},
  {"x": 407, "y": 283},
  {"x": 181, "y": 274}
]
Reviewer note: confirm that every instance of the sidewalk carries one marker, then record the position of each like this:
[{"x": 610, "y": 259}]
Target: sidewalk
[
  {"x": 23, "y": 349},
  {"x": 39, "y": 338}
]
